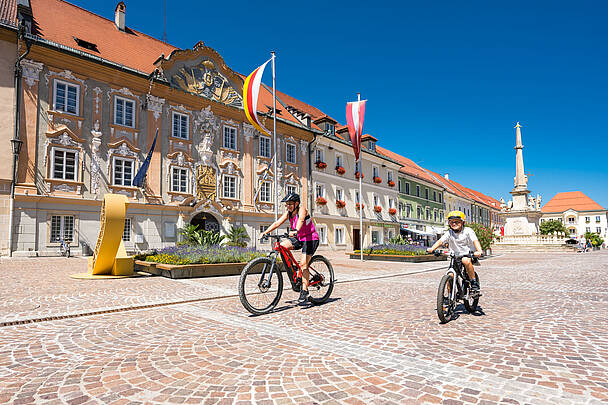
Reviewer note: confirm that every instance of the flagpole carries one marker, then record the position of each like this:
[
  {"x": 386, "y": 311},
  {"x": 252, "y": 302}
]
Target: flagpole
[
  {"x": 274, "y": 119},
  {"x": 360, "y": 195}
]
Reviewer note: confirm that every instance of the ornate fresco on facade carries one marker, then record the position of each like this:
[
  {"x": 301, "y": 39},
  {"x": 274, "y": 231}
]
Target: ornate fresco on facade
[
  {"x": 206, "y": 183},
  {"x": 204, "y": 80}
]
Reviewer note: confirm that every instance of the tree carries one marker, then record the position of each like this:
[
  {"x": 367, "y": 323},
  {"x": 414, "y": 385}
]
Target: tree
[
  {"x": 484, "y": 234},
  {"x": 595, "y": 239},
  {"x": 552, "y": 225}
]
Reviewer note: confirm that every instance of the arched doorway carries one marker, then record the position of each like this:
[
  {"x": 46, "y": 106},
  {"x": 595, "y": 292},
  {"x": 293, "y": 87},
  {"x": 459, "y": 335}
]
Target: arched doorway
[{"x": 205, "y": 221}]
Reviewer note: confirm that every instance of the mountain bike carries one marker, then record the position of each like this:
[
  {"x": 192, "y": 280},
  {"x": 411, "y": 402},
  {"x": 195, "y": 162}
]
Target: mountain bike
[
  {"x": 64, "y": 248},
  {"x": 261, "y": 281},
  {"x": 455, "y": 286}
]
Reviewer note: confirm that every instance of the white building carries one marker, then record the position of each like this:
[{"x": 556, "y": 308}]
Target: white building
[{"x": 579, "y": 213}]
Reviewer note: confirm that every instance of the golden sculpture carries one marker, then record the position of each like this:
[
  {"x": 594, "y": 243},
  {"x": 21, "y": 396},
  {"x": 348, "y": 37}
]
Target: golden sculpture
[
  {"x": 206, "y": 183},
  {"x": 205, "y": 80}
]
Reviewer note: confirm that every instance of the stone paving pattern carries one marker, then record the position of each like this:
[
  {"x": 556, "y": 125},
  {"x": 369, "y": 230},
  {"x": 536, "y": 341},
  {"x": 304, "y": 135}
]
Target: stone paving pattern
[{"x": 540, "y": 337}]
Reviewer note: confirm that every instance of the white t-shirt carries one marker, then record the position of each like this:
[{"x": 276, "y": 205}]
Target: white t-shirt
[{"x": 460, "y": 243}]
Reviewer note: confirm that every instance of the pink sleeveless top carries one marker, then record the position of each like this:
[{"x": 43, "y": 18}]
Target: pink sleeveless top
[{"x": 308, "y": 231}]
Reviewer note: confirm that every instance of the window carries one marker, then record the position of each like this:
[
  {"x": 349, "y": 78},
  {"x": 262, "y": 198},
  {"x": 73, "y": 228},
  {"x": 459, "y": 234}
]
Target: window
[
  {"x": 229, "y": 186},
  {"x": 399, "y": 185},
  {"x": 339, "y": 194},
  {"x": 330, "y": 128},
  {"x": 62, "y": 227},
  {"x": 408, "y": 210},
  {"x": 417, "y": 191},
  {"x": 570, "y": 220},
  {"x": 407, "y": 188},
  {"x": 64, "y": 164},
  {"x": 180, "y": 126},
  {"x": 375, "y": 237},
  {"x": 123, "y": 171},
  {"x": 179, "y": 180},
  {"x": 357, "y": 197},
  {"x": 391, "y": 203},
  {"x": 290, "y": 188},
  {"x": 320, "y": 191},
  {"x": 124, "y": 112},
  {"x": 339, "y": 236},
  {"x": 265, "y": 150},
  {"x": 266, "y": 192},
  {"x": 376, "y": 201},
  {"x": 587, "y": 229},
  {"x": 229, "y": 138},
  {"x": 322, "y": 231},
  {"x": 319, "y": 155},
  {"x": 426, "y": 193},
  {"x": 572, "y": 231},
  {"x": 126, "y": 233},
  {"x": 435, "y": 215},
  {"x": 401, "y": 209},
  {"x": 339, "y": 161},
  {"x": 290, "y": 153},
  {"x": 66, "y": 97},
  {"x": 434, "y": 196},
  {"x": 372, "y": 146},
  {"x": 389, "y": 176},
  {"x": 418, "y": 212},
  {"x": 440, "y": 197},
  {"x": 428, "y": 214},
  {"x": 597, "y": 219},
  {"x": 598, "y": 230},
  {"x": 587, "y": 220},
  {"x": 375, "y": 171}
]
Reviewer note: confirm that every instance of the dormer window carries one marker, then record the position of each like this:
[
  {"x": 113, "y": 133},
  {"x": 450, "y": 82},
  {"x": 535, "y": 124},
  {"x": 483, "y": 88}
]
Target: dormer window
[
  {"x": 330, "y": 128},
  {"x": 371, "y": 145}
]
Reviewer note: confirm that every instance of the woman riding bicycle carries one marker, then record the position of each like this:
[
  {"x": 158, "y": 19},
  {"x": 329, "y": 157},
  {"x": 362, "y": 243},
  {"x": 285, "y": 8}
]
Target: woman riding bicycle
[{"x": 303, "y": 235}]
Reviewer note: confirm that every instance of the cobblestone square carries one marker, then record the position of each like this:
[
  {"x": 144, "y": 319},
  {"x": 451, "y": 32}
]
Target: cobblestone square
[{"x": 540, "y": 337}]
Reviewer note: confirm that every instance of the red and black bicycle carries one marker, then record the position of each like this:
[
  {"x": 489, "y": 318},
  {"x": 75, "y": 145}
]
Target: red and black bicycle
[{"x": 261, "y": 282}]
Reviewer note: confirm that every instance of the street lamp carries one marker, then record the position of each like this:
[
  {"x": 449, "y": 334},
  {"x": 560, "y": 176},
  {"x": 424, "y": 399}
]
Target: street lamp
[{"x": 16, "y": 146}]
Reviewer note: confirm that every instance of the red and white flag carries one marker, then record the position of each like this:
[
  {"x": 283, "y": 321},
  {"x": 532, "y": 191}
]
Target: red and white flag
[
  {"x": 354, "y": 119},
  {"x": 251, "y": 91}
]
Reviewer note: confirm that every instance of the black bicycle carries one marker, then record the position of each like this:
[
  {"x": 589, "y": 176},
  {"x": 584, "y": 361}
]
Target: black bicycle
[
  {"x": 455, "y": 286},
  {"x": 261, "y": 282}
]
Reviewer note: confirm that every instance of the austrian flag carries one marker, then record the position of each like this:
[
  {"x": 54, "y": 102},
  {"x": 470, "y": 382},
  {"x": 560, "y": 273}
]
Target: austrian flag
[
  {"x": 251, "y": 90},
  {"x": 355, "y": 112}
]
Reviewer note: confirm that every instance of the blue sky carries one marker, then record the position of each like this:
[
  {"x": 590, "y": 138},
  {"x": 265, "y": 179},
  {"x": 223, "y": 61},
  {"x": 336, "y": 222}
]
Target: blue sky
[{"x": 446, "y": 81}]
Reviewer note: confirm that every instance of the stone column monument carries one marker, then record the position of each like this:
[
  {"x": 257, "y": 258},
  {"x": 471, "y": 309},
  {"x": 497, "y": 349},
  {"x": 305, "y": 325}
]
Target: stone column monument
[{"x": 523, "y": 213}]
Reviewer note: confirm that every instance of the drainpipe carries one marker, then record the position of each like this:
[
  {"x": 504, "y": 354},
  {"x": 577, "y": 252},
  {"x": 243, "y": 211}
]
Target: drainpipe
[{"x": 18, "y": 72}]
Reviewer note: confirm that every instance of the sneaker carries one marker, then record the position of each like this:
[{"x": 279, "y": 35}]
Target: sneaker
[
  {"x": 475, "y": 289},
  {"x": 303, "y": 297}
]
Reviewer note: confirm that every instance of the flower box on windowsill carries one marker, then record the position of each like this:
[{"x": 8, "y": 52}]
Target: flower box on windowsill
[
  {"x": 391, "y": 183},
  {"x": 321, "y": 165},
  {"x": 321, "y": 201},
  {"x": 357, "y": 175},
  {"x": 359, "y": 206},
  {"x": 392, "y": 211},
  {"x": 377, "y": 180},
  {"x": 377, "y": 208},
  {"x": 340, "y": 170},
  {"x": 340, "y": 204}
]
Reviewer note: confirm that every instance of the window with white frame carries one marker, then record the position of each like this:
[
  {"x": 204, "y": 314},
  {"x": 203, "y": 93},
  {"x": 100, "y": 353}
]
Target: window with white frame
[
  {"x": 434, "y": 196},
  {"x": 587, "y": 229},
  {"x": 181, "y": 128},
  {"x": 376, "y": 237},
  {"x": 320, "y": 190},
  {"x": 330, "y": 128},
  {"x": 428, "y": 214},
  {"x": 126, "y": 232},
  {"x": 375, "y": 171},
  {"x": 418, "y": 213},
  {"x": 572, "y": 231},
  {"x": 598, "y": 230},
  {"x": 339, "y": 236},
  {"x": 229, "y": 138},
  {"x": 62, "y": 227},
  {"x": 124, "y": 112},
  {"x": 440, "y": 198},
  {"x": 229, "y": 189},
  {"x": 322, "y": 231},
  {"x": 266, "y": 192},
  {"x": 339, "y": 194},
  {"x": 401, "y": 209},
  {"x": 319, "y": 155},
  {"x": 417, "y": 191},
  {"x": 339, "y": 160},
  {"x": 389, "y": 175},
  {"x": 64, "y": 164},
  {"x": 357, "y": 197},
  {"x": 376, "y": 200},
  {"x": 391, "y": 203},
  {"x": 435, "y": 215},
  {"x": 265, "y": 150},
  {"x": 290, "y": 153},
  {"x": 179, "y": 179},
  {"x": 407, "y": 188},
  {"x": 290, "y": 188},
  {"x": 67, "y": 97},
  {"x": 587, "y": 219},
  {"x": 426, "y": 193},
  {"x": 123, "y": 171},
  {"x": 597, "y": 219}
]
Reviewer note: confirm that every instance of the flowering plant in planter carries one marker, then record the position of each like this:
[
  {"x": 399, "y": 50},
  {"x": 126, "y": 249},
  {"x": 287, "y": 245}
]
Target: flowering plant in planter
[
  {"x": 391, "y": 183},
  {"x": 321, "y": 201},
  {"x": 340, "y": 170},
  {"x": 359, "y": 206},
  {"x": 377, "y": 180},
  {"x": 321, "y": 165},
  {"x": 377, "y": 208},
  {"x": 392, "y": 211},
  {"x": 340, "y": 204},
  {"x": 359, "y": 174}
]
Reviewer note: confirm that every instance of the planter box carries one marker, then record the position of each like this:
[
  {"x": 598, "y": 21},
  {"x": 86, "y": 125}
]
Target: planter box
[
  {"x": 398, "y": 258},
  {"x": 189, "y": 270}
]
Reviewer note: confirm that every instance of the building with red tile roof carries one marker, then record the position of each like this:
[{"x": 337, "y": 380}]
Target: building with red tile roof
[{"x": 579, "y": 213}]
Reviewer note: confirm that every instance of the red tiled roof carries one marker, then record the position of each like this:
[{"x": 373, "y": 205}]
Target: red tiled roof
[
  {"x": 60, "y": 22},
  {"x": 366, "y": 137},
  {"x": 8, "y": 11},
  {"x": 575, "y": 200},
  {"x": 447, "y": 184},
  {"x": 409, "y": 167}
]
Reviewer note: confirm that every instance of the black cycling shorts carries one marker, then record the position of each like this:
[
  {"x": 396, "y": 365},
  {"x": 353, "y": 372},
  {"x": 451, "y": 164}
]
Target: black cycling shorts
[{"x": 309, "y": 247}]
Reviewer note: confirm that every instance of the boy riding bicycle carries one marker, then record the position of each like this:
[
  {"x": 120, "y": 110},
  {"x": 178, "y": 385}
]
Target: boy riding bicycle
[{"x": 461, "y": 241}]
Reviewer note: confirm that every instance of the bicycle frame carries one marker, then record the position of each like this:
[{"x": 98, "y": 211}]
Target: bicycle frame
[{"x": 456, "y": 269}]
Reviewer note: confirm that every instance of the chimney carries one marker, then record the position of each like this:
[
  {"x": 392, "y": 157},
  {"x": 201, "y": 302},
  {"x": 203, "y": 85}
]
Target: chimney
[
  {"x": 119, "y": 16},
  {"x": 447, "y": 176}
]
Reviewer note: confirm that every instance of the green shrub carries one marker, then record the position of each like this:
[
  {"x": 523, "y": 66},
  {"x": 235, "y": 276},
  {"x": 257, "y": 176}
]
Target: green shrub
[
  {"x": 237, "y": 236},
  {"x": 484, "y": 234},
  {"x": 596, "y": 239},
  {"x": 552, "y": 225}
]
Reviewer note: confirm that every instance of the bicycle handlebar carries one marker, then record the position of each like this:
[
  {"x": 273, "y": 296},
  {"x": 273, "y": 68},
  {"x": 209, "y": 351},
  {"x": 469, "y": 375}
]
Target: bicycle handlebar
[{"x": 469, "y": 255}]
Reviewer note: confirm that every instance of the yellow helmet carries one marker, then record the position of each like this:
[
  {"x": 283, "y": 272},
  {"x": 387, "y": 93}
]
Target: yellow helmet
[{"x": 457, "y": 215}]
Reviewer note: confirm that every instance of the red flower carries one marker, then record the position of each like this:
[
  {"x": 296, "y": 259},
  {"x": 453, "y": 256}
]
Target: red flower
[
  {"x": 377, "y": 208},
  {"x": 321, "y": 201},
  {"x": 340, "y": 204},
  {"x": 321, "y": 165},
  {"x": 391, "y": 183},
  {"x": 359, "y": 206},
  {"x": 357, "y": 175},
  {"x": 392, "y": 211},
  {"x": 340, "y": 170},
  {"x": 377, "y": 180}
]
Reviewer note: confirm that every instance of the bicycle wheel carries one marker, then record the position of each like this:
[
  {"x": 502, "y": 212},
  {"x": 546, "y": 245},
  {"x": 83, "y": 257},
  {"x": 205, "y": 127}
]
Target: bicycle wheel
[
  {"x": 321, "y": 280},
  {"x": 259, "y": 294},
  {"x": 471, "y": 303},
  {"x": 445, "y": 304}
]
